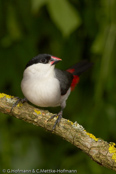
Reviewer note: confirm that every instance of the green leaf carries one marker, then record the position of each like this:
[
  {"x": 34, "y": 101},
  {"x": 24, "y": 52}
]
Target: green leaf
[
  {"x": 98, "y": 44},
  {"x": 64, "y": 16},
  {"x": 37, "y": 4}
]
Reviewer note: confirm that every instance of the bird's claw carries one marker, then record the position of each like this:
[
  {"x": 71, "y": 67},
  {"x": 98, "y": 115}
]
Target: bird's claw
[
  {"x": 18, "y": 101},
  {"x": 59, "y": 115}
]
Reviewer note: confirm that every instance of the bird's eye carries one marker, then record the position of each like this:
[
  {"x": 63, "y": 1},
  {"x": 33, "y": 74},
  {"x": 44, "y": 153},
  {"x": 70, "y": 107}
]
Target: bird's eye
[{"x": 43, "y": 60}]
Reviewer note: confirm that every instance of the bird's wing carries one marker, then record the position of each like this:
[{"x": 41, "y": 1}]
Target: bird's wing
[{"x": 65, "y": 78}]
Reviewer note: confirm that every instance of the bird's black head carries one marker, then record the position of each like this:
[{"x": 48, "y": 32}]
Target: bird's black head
[
  {"x": 41, "y": 58},
  {"x": 44, "y": 59}
]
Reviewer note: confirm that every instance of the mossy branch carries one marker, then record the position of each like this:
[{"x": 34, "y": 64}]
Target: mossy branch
[{"x": 100, "y": 151}]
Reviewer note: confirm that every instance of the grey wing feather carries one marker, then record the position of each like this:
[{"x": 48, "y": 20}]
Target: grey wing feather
[{"x": 65, "y": 78}]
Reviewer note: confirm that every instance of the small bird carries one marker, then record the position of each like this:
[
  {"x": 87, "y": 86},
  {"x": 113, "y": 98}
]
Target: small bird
[{"x": 46, "y": 86}]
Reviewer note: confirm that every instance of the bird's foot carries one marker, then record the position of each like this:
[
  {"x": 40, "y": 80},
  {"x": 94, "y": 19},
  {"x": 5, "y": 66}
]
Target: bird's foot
[
  {"x": 59, "y": 115},
  {"x": 20, "y": 100}
]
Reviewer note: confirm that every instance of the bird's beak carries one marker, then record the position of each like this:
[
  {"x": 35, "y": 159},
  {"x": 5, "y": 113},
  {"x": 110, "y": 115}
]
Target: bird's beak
[{"x": 54, "y": 60}]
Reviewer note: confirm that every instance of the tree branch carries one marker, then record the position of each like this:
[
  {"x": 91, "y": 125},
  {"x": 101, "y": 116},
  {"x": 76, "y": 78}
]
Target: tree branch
[{"x": 99, "y": 150}]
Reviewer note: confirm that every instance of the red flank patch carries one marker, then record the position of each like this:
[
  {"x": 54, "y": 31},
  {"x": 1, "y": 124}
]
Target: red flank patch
[{"x": 74, "y": 81}]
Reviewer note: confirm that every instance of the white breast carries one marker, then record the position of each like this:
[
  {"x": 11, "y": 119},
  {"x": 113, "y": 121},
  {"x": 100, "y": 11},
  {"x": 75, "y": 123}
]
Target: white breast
[{"x": 40, "y": 86}]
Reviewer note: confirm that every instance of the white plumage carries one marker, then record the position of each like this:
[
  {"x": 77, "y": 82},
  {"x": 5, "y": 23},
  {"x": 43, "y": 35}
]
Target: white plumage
[{"x": 40, "y": 86}]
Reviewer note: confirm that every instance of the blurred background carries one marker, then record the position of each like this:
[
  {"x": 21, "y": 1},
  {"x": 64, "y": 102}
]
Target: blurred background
[{"x": 72, "y": 30}]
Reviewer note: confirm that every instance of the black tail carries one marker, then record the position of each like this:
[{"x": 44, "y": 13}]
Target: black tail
[{"x": 80, "y": 67}]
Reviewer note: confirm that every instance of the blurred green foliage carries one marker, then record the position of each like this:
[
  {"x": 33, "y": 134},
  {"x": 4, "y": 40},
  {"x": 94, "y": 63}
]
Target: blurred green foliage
[{"x": 73, "y": 30}]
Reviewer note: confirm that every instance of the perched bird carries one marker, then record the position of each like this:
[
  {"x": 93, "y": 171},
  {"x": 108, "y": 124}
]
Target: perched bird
[{"x": 46, "y": 86}]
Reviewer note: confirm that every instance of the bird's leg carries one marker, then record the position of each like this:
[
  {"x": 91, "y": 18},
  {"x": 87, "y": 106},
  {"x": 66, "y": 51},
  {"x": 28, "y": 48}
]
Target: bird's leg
[
  {"x": 20, "y": 100},
  {"x": 59, "y": 115}
]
